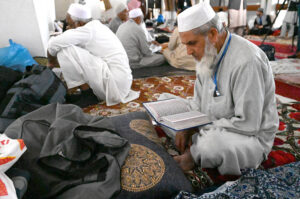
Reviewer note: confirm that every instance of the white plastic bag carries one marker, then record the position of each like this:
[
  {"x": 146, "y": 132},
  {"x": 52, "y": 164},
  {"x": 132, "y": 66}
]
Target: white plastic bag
[
  {"x": 10, "y": 151},
  {"x": 7, "y": 189}
]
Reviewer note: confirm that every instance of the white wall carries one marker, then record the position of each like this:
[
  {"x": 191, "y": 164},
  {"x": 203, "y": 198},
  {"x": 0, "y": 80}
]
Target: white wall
[
  {"x": 51, "y": 14},
  {"x": 26, "y": 23},
  {"x": 96, "y": 7},
  {"x": 42, "y": 16},
  {"x": 61, "y": 7}
]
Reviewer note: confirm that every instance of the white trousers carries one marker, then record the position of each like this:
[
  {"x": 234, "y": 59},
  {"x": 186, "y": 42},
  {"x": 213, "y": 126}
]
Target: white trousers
[
  {"x": 227, "y": 151},
  {"x": 287, "y": 27},
  {"x": 80, "y": 67}
]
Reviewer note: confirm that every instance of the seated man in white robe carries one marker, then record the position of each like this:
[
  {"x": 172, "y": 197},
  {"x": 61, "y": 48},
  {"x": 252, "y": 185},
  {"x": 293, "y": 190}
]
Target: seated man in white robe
[
  {"x": 235, "y": 88},
  {"x": 122, "y": 15},
  {"x": 135, "y": 43},
  {"x": 92, "y": 57}
]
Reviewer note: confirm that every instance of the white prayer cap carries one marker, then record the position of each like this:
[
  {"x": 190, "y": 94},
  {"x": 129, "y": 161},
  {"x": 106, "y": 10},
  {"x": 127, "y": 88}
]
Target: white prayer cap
[
  {"x": 135, "y": 13},
  {"x": 120, "y": 7},
  {"x": 195, "y": 16},
  {"x": 79, "y": 11}
]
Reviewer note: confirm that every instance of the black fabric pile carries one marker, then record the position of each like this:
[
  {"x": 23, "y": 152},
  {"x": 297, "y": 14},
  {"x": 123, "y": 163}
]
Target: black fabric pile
[
  {"x": 160, "y": 71},
  {"x": 69, "y": 154},
  {"x": 83, "y": 99},
  {"x": 37, "y": 87},
  {"x": 7, "y": 78}
]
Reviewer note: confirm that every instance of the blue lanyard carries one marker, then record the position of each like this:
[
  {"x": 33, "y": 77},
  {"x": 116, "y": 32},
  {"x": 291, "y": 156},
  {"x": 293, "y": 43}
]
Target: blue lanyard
[{"x": 218, "y": 64}]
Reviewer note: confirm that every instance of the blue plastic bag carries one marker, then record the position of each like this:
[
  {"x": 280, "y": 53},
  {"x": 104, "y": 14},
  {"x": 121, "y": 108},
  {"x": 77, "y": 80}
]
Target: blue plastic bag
[
  {"x": 160, "y": 19},
  {"x": 15, "y": 57}
]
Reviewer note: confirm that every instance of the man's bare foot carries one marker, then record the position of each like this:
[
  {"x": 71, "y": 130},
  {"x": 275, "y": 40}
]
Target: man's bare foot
[{"x": 185, "y": 161}]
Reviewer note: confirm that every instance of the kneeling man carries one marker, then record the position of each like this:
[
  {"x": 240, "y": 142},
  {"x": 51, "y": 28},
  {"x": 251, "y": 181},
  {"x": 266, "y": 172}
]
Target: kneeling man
[
  {"x": 235, "y": 88},
  {"x": 90, "y": 55}
]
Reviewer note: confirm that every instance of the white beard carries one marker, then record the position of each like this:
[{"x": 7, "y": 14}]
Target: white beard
[{"x": 204, "y": 66}]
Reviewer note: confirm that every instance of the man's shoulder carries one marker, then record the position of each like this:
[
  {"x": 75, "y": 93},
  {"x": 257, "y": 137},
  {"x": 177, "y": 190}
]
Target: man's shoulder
[
  {"x": 115, "y": 20},
  {"x": 243, "y": 46},
  {"x": 130, "y": 27},
  {"x": 245, "y": 51},
  {"x": 94, "y": 23},
  {"x": 122, "y": 27},
  {"x": 125, "y": 24}
]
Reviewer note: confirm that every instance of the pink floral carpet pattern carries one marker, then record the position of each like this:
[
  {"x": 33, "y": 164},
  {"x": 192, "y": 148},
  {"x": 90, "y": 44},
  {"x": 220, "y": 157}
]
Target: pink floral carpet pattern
[{"x": 286, "y": 147}]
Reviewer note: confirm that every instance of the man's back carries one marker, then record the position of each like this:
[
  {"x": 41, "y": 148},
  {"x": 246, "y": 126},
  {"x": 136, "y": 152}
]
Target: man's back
[
  {"x": 96, "y": 38},
  {"x": 100, "y": 57},
  {"x": 104, "y": 43},
  {"x": 134, "y": 41}
]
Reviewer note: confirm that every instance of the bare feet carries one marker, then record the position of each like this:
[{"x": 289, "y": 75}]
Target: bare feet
[{"x": 185, "y": 161}]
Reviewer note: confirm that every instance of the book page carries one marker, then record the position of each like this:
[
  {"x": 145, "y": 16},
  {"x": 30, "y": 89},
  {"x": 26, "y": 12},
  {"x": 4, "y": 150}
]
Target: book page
[
  {"x": 181, "y": 117},
  {"x": 185, "y": 120},
  {"x": 166, "y": 107},
  {"x": 155, "y": 48}
]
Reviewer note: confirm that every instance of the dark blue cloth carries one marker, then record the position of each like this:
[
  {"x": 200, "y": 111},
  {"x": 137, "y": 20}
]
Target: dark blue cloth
[
  {"x": 279, "y": 182},
  {"x": 260, "y": 21}
]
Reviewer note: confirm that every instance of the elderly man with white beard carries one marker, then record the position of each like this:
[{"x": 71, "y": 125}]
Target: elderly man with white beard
[{"x": 235, "y": 88}]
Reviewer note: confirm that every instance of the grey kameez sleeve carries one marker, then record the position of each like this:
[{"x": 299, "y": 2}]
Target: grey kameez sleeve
[
  {"x": 249, "y": 96},
  {"x": 114, "y": 24},
  {"x": 195, "y": 103},
  {"x": 144, "y": 46}
]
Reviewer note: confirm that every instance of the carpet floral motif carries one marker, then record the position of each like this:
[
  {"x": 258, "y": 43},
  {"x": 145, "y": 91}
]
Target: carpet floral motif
[
  {"x": 142, "y": 170},
  {"x": 145, "y": 128}
]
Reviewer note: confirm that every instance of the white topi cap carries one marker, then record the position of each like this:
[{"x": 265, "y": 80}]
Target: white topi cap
[
  {"x": 79, "y": 11},
  {"x": 120, "y": 7},
  {"x": 135, "y": 13},
  {"x": 195, "y": 16}
]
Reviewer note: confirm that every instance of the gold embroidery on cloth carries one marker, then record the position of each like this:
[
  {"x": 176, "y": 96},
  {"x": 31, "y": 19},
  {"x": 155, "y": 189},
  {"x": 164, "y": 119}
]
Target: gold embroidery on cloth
[
  {"x": 145, "y": 128},
  {"x": 142, "y": 170}
]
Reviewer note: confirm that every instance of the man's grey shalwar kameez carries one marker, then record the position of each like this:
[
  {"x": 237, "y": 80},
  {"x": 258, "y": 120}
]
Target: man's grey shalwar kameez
[
  {"x": 244, "y": 116},
  {"x": 137, "y": 48},
  {"x": 114, "y": 24}
]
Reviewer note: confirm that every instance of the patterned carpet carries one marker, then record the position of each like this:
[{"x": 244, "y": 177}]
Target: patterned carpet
[
  {"x": 283, "y": 47},
  {"x": 270, "y": 38},
  {"x": 285, "y": 66},
  {"x": 150, "y": 89},
  {"x": 286, "y": 147}
]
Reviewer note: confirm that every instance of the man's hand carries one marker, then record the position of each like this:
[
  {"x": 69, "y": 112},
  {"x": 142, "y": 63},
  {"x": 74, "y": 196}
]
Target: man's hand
[
  {"x": 164, "y": 45},
  {"x": 51, "y": 65},
  {"x": 52, "y": 61},
  {"x": 183, "y": 139},
  {"x": 155, "y": 43}
]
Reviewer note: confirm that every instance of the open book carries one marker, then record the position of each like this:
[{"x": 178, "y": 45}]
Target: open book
[
  {"x": 155, "y": 48},
  {"x": 175, "y": 114}
]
